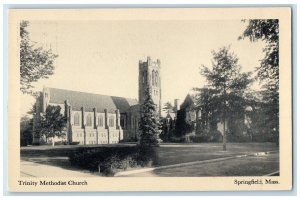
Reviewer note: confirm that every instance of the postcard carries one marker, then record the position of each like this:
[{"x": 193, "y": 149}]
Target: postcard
[{"x": 150, "y": 99}]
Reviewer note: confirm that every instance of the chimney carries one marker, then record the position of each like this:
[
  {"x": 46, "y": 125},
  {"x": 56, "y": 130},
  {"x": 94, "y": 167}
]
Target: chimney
[
  {"x": 176, "y": 105},
  {"x": 148, "y": 60}
]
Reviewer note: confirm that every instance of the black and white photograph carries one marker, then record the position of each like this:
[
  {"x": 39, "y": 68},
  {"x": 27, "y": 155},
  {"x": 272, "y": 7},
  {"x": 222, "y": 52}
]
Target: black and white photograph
[{"x": 151, "y": 94}]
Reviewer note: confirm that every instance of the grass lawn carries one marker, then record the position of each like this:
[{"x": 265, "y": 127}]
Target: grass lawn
[
  {"x": 169, "y": 154},
  {"x": 247, "y": 166}
]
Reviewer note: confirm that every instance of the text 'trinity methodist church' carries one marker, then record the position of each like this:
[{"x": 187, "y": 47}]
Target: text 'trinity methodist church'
[{"x": 101, "y": 119}]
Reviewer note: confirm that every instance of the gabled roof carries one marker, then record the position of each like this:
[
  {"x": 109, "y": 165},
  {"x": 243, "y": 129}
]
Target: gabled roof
[
  {"x": 189, "y": 101},
  {"x": 89, "y": 101},
  {"x": 171, "y": 115}
]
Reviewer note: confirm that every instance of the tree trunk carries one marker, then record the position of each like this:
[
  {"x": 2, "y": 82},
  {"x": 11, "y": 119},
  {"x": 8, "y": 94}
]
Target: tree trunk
[
  {"x": 53, "y": 142},
  {"x": 224, "y": 116},
  {"x": 224, "y": 136}
]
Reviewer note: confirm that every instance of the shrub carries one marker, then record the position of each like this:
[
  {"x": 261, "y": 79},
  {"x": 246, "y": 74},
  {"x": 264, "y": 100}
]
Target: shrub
[
  {"x": 61, "y": 143},
  {"x": 109, "y": 160},
  {"x": 207, "y": 136},
  {"x": 146, "y": 156},
  {"x": 74, "y": 143},
  {"x": 177, "y": 139},
  {"x": 231, "y": 137},
  {"x": 198, "y": 139},
  {"x": 26, "y": 138}
]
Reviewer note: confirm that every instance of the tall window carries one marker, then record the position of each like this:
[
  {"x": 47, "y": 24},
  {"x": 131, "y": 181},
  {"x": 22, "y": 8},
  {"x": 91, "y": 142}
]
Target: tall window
[
  {"x": 100, "y": 120},
  {"x": 153, "y": 77},
  {"x": 89, "y": 120},
  {"x": 76, "y": 119},
  {"x": 111, "y": 121}
]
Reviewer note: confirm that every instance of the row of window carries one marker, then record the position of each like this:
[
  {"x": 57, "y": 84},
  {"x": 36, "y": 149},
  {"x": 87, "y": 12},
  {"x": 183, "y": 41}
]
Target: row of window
[
  {"x": 90, "y": 135},
  {"x": 155, "y": 92},
  {"x": 111, "y": 120},
  {"x": 114, "y": 134},
  {"x": 100, "y": 142},
  {"x": 155, "y": 77}
]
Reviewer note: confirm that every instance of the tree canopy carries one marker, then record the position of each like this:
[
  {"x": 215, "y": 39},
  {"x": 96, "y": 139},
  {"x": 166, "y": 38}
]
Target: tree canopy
[
  {"x": 53, "y": 122},
  {"x": 26, "y": 126},
  {"x": 223, "y": 98},
  {"x": 209, "y": 107},
  {"x": 225, "y": 74},
  {"x": 267, "y": 30},
  {"x": 35, "y": 62}
]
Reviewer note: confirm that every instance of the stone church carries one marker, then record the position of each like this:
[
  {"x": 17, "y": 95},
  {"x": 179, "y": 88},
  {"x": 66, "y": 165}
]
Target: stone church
[{"x": 102, "y": 119}]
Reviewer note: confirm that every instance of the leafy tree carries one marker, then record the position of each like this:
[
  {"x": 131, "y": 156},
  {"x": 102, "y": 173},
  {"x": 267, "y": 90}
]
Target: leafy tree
[
  {"x": 209, "y": 108},
  {"x": 35, "y": 62},
  {"x": 258, "y": 128},
  {"x": 53, "y": 123},
  {"x": 267, "y": 30},
  {"x": 165, "y": 129},
  {"x": 26, "y": 131},
  {"x": 228, "y": 83},
  {"x": 149, "y": 123}
]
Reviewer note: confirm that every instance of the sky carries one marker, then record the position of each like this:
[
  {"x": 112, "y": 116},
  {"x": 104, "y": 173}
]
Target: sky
[{"x": 102, "y": 56}]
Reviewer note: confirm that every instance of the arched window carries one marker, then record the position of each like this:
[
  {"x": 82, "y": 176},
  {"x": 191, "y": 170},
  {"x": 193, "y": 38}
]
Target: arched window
[
  {"x": 76, "y": 119},
  {"x": 111, "y": 121},
  {"x": 153, "y": 77},
  {"x": 156, "y": 78},
  {"x": 100, "y": 120},
  {"x": 89, "y": 120}
]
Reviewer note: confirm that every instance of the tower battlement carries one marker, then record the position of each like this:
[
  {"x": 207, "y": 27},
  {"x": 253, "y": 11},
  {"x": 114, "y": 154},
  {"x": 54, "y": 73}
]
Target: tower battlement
[{"x": 149, "y": 61}]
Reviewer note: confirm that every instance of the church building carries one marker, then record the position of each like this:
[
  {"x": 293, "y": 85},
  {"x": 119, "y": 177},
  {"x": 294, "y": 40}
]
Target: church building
[{"x": 101, "y": 119}]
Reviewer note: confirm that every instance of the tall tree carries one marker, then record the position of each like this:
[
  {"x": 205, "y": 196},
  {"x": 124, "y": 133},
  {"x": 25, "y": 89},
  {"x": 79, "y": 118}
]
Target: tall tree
[
  {"x": 209, "y": 107},
  {"x": 26, "y": 130},
  {"x": 149, "y": 123},
  {"x": 35, "y": 62},
  {"x": 228, "y": 83},
  {"x": 267, "y": 30},
  {"x": 53, "y": 123}
]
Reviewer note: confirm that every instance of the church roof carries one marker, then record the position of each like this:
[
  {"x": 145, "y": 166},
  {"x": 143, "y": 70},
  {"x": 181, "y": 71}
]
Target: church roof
[
  {"x": 171, "y": 115},
  {"x": 89, "y": 100},
  {"x": 189, "y": 101}
]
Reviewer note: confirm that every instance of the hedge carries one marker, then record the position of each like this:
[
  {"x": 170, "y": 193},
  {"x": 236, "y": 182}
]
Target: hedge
[{"x": 109, "y": 160}]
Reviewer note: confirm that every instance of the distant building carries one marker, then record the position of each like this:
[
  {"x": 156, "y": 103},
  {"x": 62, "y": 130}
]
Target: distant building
[
  {"x": 192, "y": 121},
  {"x": 102, "y": 119}
]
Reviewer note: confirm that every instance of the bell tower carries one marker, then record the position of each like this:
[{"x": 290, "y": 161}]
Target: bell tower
[{"x": 149, "y": 76}]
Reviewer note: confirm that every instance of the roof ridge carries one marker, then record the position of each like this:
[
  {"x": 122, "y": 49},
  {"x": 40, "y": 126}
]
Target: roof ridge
[
  {"x": 90, "y": 100},
  {"x": 89, "y": 93}
]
